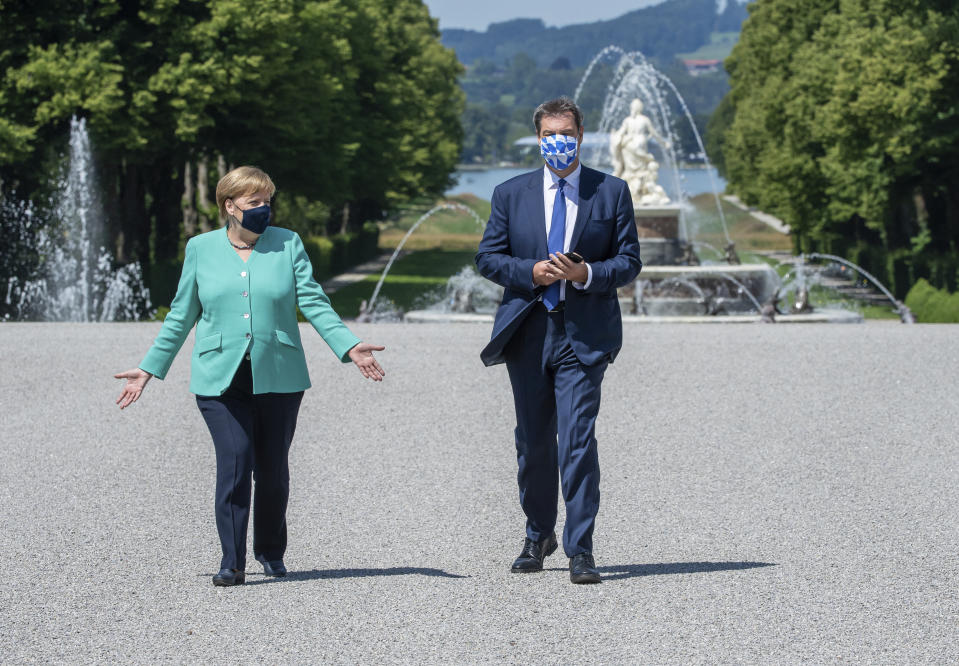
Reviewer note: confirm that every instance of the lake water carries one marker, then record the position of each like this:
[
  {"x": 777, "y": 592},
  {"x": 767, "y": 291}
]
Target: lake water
[{"x": 481, "y": 183}]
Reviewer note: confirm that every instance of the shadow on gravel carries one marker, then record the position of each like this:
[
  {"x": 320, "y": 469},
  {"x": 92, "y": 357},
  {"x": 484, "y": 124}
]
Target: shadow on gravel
[
  {"x": 324, "y": 574},
  {"x": 634, "y": 570}
]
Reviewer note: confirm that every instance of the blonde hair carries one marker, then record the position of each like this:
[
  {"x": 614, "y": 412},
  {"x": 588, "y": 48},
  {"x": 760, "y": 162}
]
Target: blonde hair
[{"x": 240, "y": 182}]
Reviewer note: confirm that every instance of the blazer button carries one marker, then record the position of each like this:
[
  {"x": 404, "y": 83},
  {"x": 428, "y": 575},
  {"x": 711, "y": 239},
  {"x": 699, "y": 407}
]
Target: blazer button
[
  {"x": 243, "y": 274},
  {"x": 248, "y": 336},
  {"x": 246, "y": 315},
  {"x": 243, "y": 294}
]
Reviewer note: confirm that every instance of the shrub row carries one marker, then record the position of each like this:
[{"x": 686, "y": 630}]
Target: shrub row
[
  {"x": 900, "y": 269},
  {"x": 931, "y": 305},
  {"x": 334, "y": 255}
]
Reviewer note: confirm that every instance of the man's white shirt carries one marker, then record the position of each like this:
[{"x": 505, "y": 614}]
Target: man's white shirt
[{"x": 571, "y": 192}]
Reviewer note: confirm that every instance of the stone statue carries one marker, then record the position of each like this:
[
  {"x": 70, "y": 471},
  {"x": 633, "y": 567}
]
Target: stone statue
[{"x": 632, "y": 160}]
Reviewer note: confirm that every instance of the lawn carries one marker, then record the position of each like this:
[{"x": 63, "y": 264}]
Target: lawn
[
  {"x": 749, "y": 234},
  {"x": 447, "y": 229},
  {"x": 415, "y": 281},
  {"x": 443, "y": 244}
]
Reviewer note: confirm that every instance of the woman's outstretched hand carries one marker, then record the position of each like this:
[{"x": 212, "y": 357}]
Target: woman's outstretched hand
[
  {"x": 362, "y": 356},
  {"x": 136, "y": 380}
]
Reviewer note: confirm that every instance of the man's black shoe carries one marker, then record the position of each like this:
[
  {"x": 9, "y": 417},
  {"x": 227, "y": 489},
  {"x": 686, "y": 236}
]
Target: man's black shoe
[
  {"x": 273, "y": 567},
  {"x": 534, "y": 552},
  {"x": 582, "y": 569},
  {"x": 229, "y": 577}
]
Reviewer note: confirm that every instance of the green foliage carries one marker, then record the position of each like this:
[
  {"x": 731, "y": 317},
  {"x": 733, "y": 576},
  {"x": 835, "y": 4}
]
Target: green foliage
[
  {"x": 842, "y": 120},
  {"x": 715, "y": 135},
  {"x": 931, "y": 305},
  {"x": 348, "y": 104},
  {"x": 320, "y": 251},
  {"x": 305, "y": 217},
  {"x": 334, "y": 255}
]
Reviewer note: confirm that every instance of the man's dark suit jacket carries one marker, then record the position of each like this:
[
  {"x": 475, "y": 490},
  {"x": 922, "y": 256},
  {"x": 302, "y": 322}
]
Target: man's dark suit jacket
[{"x": 605, "y": 236}]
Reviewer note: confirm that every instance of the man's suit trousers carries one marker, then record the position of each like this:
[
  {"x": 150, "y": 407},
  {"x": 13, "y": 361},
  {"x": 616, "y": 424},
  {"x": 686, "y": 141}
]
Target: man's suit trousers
[
  {"x": 252, "y": 435},
  {"x": 557, "y": 402}
]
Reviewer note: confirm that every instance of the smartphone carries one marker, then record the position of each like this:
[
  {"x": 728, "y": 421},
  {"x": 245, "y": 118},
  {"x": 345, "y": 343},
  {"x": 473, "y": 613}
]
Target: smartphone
[{"x": 573, "y": 256}]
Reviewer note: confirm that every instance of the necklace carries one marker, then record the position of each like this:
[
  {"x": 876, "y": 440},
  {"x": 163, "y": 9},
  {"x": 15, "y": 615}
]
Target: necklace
[{"x": 241, "y": 247}]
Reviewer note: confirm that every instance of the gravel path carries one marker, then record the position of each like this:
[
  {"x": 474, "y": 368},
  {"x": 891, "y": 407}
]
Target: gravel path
[{"x": 771, "y": 494}]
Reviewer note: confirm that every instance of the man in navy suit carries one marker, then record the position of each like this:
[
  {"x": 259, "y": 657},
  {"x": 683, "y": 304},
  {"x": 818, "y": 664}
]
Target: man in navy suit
[{"x": 561, "y": 240}]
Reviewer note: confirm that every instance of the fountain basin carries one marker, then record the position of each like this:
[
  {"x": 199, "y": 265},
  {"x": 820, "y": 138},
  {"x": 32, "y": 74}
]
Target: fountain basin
[
  {"x": 661, "y": 251},
  {"x": 658, "y": 230},
  {"x": 818, "y": 316},
  {"x": 720, "y": 289},
  {"x": 754, "y": 273}
]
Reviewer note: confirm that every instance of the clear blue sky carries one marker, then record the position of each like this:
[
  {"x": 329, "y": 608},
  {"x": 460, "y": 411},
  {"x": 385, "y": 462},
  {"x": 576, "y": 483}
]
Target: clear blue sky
[{"x": 477, "y": 14}]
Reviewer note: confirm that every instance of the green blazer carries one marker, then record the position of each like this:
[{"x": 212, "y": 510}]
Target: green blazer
[{"x": 241, "y": 307}]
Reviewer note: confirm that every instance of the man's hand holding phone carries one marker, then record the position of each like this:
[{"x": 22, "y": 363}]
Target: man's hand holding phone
[{"x": 568, "y": 266}]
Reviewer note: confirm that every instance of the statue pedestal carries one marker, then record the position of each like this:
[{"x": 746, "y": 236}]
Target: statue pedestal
[{"x": 658, "y": 230}]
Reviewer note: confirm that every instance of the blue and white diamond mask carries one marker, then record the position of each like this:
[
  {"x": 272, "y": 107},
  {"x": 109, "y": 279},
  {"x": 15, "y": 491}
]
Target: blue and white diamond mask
[{"x": 558, "y": 150}]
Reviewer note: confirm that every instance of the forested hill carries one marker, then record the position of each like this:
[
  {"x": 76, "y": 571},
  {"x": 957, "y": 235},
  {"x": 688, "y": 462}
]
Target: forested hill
[{"x": 662, "y": 31}]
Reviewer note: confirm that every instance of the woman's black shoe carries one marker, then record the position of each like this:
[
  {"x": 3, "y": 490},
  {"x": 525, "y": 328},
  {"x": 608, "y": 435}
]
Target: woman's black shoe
[{"x": 228, "y": 577}]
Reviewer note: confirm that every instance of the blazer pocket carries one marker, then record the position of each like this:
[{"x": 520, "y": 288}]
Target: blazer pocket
[
  {"x": 209, "y": 343},
  {"x": 605, "y": 221},
  {"x": 285, "y": 339}
]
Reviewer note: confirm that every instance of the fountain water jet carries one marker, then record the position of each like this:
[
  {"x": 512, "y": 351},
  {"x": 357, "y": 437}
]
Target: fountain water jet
[
  {"x": 74, "y": 279},
  {"x": 448, "y": 205},
  {"x": 636, "y": 78},
  {"x": 905, "y": 314}
]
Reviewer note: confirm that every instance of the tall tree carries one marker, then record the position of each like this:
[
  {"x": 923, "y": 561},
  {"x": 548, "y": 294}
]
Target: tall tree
[
  {"x": 343, "y": 101},
  {"x": 843, "y": 122}
]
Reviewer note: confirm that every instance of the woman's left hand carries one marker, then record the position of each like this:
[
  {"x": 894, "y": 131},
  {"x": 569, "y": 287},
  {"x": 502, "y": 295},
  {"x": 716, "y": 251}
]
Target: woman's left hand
[{"x": 362, "y": 356}]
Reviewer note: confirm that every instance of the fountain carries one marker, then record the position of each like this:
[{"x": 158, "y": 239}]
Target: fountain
[
  {"x": 905, "y": 314},
  {"x": 675, "y": 284},
  {"x": 73, "y": 278},
  {"x": 368, "y": 310},
  {"x": 666, "y": 244},
  {"x": 635, "y": 79}
]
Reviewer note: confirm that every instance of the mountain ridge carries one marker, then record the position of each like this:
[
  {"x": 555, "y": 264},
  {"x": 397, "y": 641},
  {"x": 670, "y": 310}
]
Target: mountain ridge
[{"x": 662, "y": 31}]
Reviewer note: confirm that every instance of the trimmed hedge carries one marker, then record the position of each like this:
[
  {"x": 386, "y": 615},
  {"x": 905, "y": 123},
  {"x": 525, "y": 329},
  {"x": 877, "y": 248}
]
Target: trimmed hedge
[
  {"x": 900, "y": 269},
  {"x": 320, "y": 251},
  {"x": 335, "y": 255},
  {"x": 931, "y": 305}
]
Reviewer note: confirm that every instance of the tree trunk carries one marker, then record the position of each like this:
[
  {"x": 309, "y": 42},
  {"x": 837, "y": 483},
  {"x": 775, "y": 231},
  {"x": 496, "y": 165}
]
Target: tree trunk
[
  {"x": 220, "y": 172},
  {"x": 165, "y": 211},
  {"x": 345, "y": 221},
  {"x": 203, "y": 195},
  {"x": 190, "y": 216},
  {"x": 134, "y": 223},
  {"x": 109, "y": 172}
]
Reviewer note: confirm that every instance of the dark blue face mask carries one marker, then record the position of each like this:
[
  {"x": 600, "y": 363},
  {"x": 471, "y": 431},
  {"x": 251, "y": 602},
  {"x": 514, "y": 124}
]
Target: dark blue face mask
[{"x": 256, "y": 219}]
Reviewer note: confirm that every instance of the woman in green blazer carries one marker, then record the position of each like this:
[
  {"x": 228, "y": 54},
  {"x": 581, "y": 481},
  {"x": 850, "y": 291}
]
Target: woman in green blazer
[{"x": 240, "y": 286}]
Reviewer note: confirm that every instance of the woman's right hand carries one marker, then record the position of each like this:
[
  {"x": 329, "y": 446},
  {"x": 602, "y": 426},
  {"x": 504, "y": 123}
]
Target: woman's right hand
[{"x": 136, "y": 380}]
